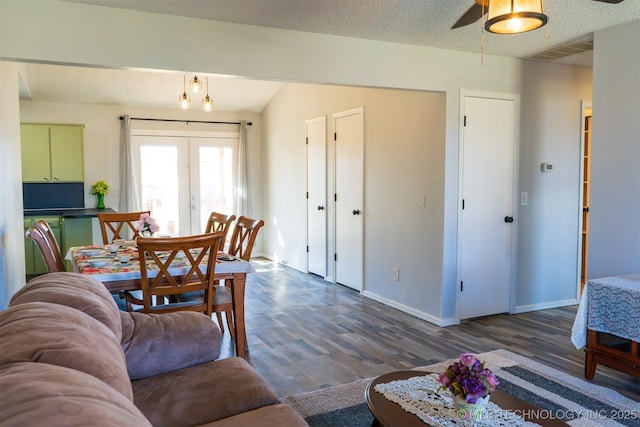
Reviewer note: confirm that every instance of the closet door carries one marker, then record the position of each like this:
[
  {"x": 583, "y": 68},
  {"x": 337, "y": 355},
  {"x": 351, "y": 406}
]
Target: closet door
[
  {"x": 348, "y": 198},
  {"x": 316, "y": 139},
  {"x": 487, "y": 233}
]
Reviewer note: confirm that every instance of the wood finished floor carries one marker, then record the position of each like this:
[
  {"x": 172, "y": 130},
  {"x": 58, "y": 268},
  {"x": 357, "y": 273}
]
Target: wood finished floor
[{"x": 306, "y": 334}]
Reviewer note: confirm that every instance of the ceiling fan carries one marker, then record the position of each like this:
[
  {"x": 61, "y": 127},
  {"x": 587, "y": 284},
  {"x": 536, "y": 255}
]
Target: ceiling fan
[{"x": 475, "y": 12}]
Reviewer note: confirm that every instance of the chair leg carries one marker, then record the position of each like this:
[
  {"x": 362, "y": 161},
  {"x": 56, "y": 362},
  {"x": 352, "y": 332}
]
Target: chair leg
[
  {"x": 230, "y": 324},
  {"x": 220, "y": 324}
]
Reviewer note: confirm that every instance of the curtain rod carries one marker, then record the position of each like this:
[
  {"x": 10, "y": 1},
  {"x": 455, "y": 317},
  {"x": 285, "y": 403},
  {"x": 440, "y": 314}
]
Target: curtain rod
[{"x": 184, "y": 121}]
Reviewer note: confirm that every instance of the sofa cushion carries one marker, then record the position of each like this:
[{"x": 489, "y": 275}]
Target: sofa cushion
[
  {"x": 202, "y": 393},
  {"x": 60, "y": 335},
  {"x": 157, "y": 343},
  {"x": 39, "y": 394},
  {"x": 74, "y": 290},
  {"x": 279, "y": 415}
]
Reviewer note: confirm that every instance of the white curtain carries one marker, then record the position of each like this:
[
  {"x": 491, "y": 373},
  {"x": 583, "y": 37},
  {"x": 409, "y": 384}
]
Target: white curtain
[
  {"x": 129, "y": 193},
  {"x": 242, "y": 179}
]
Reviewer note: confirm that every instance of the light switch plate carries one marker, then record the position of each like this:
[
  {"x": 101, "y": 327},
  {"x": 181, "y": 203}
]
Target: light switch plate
[{"x": 524, "y": 198}]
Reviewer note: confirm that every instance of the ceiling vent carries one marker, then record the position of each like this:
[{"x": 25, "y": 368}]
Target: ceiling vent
[{"x": 583, "y": 44}]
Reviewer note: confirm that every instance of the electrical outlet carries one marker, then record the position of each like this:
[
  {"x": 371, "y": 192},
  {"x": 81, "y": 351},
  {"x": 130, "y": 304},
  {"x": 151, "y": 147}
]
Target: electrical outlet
[
  {"x": 421, "y": 201},
  {"x": 524, "y": 198},
  {"x": 396, "y": 274}
]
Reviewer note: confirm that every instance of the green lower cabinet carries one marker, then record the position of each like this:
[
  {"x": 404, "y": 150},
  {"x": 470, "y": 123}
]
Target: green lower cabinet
[{"x": 76, "y": 232}]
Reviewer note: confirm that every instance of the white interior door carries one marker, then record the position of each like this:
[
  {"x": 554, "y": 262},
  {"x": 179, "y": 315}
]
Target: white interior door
[
  {"x": 349, "y": 215},
  {"x": 488, "y": 144},
  {"x": 316, "y": 131}
]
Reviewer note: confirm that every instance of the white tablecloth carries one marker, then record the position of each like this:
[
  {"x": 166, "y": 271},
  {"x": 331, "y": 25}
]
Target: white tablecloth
[{"x": 610, "y": 305}]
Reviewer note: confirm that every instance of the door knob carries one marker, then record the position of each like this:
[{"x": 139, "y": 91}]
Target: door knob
[
  {"x": 508, "y": 219},
  {"x": 320, "y": 208},
  {"x": 356, "y": 212}
]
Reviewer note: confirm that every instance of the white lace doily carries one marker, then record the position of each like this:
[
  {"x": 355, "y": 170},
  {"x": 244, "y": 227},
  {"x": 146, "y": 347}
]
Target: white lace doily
[{"x": 418, "y": 396}]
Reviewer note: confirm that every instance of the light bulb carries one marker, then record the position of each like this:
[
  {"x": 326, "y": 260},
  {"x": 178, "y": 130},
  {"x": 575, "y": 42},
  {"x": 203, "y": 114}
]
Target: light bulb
[
  {"x": 207, "y": 103},
  {"x": 184, "y": 101},
  {"x": 196, "y": 84}
]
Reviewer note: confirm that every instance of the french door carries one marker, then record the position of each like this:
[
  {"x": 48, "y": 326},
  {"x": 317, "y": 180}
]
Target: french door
[{"x": 183, "y": 179}]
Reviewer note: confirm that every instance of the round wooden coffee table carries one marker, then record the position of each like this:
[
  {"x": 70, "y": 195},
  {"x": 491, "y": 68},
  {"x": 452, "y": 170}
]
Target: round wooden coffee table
[{"x": 389, "y": 414}]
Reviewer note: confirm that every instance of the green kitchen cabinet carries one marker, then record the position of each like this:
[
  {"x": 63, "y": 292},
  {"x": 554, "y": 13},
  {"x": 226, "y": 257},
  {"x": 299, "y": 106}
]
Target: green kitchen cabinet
[
  {"x": 75, "y": 232},
  {"x": 52, "y": 153}
]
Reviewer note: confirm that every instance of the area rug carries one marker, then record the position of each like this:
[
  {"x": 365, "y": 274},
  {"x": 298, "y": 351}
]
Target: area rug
[{"x": 575, "y": 401}]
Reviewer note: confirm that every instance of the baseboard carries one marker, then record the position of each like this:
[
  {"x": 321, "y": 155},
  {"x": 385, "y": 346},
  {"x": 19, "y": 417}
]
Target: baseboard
[
  {"x": 544, "y": 306},
  {"x": 412, "y": 311}
]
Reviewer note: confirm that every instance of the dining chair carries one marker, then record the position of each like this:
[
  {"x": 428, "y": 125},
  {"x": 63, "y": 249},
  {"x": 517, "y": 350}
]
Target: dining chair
[
  {"x": 241, "y": 245},
  {"x": 220, "y": 222},
  {"x": 118, "y": 223},
  {"x": 43, "y": 236},
  {"x": 162, "y": 293}
]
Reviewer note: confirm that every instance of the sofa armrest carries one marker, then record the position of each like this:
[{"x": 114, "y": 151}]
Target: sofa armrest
[{"x": 157, "y": 343}]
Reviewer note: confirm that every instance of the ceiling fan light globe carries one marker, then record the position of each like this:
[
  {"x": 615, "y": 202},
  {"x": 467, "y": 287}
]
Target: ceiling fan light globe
[{"x": 515, "y": 16}]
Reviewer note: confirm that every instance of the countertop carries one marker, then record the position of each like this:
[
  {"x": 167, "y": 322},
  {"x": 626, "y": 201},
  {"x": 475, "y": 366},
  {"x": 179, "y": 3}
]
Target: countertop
[{"x": 67, "y": 213}]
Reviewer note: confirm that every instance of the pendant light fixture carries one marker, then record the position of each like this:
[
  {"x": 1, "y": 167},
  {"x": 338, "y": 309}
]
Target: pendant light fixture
[
  {"x": 207, "y": 103},
  {"x": 184, "y": 100},
  {"x": 196, "y": 84},
  {"x": 514, "y": 16}
]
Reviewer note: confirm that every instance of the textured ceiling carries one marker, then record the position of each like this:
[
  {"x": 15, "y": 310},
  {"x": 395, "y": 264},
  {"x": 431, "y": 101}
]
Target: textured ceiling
[{"x": 417, "y": 22}]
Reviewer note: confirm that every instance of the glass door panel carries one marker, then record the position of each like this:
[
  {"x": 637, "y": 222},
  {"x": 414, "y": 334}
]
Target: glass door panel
[
  {"x": 163, "y": 173},
  {"x": 213, "y": 177}
]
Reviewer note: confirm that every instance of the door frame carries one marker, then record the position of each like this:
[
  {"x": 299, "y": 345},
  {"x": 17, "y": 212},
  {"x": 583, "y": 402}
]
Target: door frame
[
  {"x": 335, "y": 116},
  {"x": 515, "y": 180},
  {"x": 584, "y": 106}
]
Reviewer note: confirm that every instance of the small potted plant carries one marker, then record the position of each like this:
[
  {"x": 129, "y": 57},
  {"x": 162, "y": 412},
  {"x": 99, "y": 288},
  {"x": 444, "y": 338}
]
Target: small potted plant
[
  {"x": 470, "y": 383},
  {"x": 100, "y": 188}
]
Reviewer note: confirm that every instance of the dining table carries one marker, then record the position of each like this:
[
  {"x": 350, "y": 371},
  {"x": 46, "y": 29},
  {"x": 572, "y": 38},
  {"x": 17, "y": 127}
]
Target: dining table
[{"x": 103, "y": 263}]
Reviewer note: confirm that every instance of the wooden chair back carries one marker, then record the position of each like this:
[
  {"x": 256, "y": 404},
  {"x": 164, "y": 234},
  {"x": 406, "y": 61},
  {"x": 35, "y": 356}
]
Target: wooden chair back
[
  {"x": 220, "y": 222},
  {"x": 193, "y": 251},
  {"x": 43, "y": 236},
  {"x": 244, "y": 236},
  {"x": 118, "y": 225}
]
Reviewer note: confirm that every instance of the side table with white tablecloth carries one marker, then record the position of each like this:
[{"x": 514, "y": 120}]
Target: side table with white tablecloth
[{"x": 609, "y": 305}]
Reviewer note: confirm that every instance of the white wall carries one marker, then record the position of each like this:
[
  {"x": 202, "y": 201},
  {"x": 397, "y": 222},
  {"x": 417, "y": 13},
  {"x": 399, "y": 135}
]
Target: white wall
[
  {"x": 548, "y": 226},
  {"x": 614, "y": 237},
  {"x": 403, "y": 157},
  {"x": 12, "y": 267}
]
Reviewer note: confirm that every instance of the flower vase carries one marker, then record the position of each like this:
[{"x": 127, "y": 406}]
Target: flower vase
[
  {"x": 470, "y": 411},
  {"x": 100, "y": 204},
  {"x": 146, "y": 233}
]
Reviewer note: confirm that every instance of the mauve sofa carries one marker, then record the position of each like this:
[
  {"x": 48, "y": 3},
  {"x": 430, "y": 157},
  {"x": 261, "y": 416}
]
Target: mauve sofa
[{"x": 69, "y": 357}]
